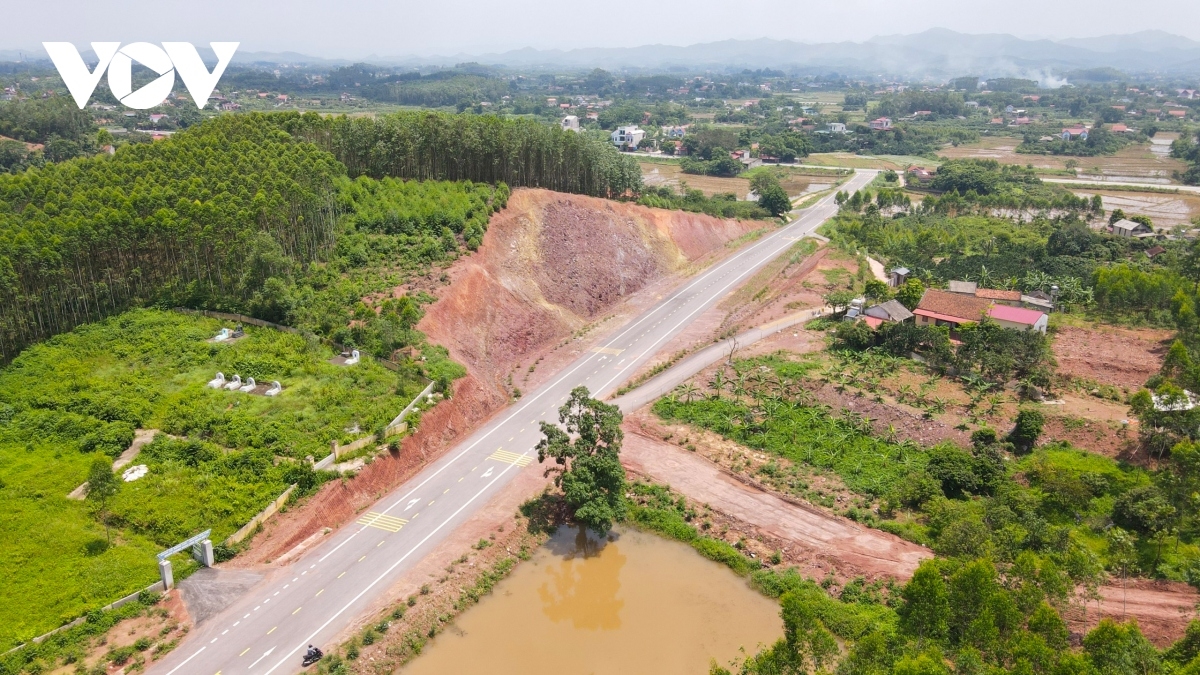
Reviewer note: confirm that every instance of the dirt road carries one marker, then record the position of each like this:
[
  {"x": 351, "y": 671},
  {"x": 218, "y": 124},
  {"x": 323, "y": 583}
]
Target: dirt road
[{"x": 858, "y": 548}]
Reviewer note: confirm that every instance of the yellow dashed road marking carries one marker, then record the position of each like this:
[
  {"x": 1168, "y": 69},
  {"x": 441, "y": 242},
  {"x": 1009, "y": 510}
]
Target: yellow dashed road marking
[
  {"x": 244, "y": 651},
  {"x": 272, "y": 630}
]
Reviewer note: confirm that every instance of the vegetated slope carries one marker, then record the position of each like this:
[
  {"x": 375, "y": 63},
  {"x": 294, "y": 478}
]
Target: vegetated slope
[
  {"x": 549, "y": 264},
  {"x": 552, "y": 262}
]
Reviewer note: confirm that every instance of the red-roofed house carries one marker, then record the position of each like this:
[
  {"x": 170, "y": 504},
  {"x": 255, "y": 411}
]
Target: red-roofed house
[
  {"x": 881, "y": 124},
  {"x": 943, "y": 308},
  {"x": 1118, "y": 128},
  {"x": 1019, "y": 318}
]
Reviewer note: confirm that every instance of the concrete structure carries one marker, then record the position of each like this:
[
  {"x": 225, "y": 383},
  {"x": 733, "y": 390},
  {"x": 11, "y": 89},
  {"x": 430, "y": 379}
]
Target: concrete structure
[
  {"x": 962, "y": 287},
  {"x": 837, "y": 128},
  {"x": 627, "y": 137},
  {"x": 898, "y": 276},
  {"x": 881, "y": 124},
  {"x": 570, "y": 123},
  {"x": 164, "y": 571},
  {"x": 203, "y": 553}
]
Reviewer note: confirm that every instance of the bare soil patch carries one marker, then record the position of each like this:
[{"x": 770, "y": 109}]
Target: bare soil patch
[
  {"x": 1121, "y": 357},
  {"x": 161, "y": 627},
  {"x": 1163, "y": 609}
]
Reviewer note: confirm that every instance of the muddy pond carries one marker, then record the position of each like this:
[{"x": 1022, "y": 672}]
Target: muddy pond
[{"x": 635, "y": 603}]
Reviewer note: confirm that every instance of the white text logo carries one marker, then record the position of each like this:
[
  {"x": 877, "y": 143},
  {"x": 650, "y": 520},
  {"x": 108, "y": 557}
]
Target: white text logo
[{"x": 171, "y": 58}]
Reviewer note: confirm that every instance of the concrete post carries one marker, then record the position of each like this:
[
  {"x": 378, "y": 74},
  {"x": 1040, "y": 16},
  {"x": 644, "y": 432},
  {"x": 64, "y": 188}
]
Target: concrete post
[
  {"x": 164, "y": 569},
  {"x": 203, "y": 553}
]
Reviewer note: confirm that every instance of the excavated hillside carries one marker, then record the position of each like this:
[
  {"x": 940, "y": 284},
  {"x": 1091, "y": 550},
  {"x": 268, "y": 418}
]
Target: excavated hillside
[{"x": 551, "y": 263}]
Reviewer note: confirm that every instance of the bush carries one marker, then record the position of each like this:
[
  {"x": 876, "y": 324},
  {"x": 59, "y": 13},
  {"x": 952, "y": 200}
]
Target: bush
[{"x": 1027, "y": 430}]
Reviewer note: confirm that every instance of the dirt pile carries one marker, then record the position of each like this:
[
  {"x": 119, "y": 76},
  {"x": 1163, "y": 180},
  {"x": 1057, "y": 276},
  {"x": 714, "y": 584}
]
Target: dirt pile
[{"x": 550, "y": 263}]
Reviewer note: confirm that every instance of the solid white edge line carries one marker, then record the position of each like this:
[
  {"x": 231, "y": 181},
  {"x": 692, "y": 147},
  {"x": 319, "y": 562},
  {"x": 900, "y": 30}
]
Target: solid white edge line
[
  {"x": 654, "y": 312},
  {"x": 386, "y": 572},
  {"x": 188, "y": 659}
]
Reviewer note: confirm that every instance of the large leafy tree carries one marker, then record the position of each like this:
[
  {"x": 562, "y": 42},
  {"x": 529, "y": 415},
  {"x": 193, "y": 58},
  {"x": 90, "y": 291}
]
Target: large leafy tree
[{"x": 586, "y": 459}]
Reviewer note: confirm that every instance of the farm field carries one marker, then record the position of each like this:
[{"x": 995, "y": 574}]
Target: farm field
[
  {"x": 893, "y": 162},
  {"x": 1132, "y": 161},
  {"x": 78, "y": 398},
  {"x": 1165, "y": 210},
  {"x": 657, "y": 174}
]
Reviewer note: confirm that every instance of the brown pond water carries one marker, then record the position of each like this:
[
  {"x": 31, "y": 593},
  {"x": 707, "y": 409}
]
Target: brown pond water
[{"x": 634, "y": 604}]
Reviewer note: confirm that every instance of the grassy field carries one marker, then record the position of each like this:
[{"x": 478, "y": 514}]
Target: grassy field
[
  {"x": 893, "y": 162},
  {"x": 670, "y": 173},
  {"x": 80, "y": 395}
]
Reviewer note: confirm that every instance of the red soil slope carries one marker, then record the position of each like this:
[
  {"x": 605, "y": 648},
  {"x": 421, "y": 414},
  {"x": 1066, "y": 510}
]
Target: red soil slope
[{"x": 549, "y": 264}]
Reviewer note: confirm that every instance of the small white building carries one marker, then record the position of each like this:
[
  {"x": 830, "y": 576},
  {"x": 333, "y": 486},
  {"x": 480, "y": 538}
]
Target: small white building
[
  {"x": 570, "y": 123},
  {"x": 837, "y": 128},
  {"x": 627, "y": 137}
]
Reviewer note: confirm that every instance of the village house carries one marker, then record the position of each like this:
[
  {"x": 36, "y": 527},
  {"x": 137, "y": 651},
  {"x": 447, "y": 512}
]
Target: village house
[
  {"x": 898, "y": 276},
  {"x": 1129, "y": 228},
  {"x": 886, "y": 312},
  {"x": 881, "y": 124},
  {"x": 570, "y": 123},
  {"x": 952, "y": 309},
  {"x": 627, "y": 137},
  {"x": 837, "y": 128},
  {"x": 1071, "y": 133}
]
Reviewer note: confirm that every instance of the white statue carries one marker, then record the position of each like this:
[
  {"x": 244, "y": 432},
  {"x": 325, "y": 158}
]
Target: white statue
[
  {"x": 275, "y": 388},
  {"x": 222, "y": 335},
  {"x": 235, "y": 383},
  {"x": 250, "y": 385},
  {"x": 353, "y": 358},
  {"x": 217, "y": 382}
]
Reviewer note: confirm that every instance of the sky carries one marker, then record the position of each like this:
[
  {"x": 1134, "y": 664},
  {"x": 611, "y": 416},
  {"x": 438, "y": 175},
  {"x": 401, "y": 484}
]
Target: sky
[{"x": 359, "y": 28}]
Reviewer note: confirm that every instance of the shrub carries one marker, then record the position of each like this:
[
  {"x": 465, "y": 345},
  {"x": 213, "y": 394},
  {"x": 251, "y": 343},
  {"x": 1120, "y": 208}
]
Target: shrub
[{"x": 1027, "y": 430}]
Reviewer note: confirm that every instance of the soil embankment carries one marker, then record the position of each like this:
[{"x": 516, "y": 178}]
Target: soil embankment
[{"x": 550, "y": 265}]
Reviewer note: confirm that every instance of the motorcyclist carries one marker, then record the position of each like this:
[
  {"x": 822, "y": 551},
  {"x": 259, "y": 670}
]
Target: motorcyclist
[{"x": 313, "y": 654}]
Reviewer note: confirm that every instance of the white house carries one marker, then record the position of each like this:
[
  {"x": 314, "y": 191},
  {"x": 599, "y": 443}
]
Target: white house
[
  {"x": 570, "y": 123},
  {"x": 837, "y": 128},
  {"x": 627, "y": 137}
]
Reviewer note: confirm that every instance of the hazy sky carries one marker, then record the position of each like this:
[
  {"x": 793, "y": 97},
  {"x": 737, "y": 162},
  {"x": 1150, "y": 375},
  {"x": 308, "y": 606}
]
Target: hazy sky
[{"x": 358, "y": 28}]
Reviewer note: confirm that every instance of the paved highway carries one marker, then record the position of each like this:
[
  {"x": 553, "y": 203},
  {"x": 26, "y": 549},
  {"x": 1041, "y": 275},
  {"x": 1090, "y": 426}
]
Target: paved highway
[{"x": 267, "y": 631}]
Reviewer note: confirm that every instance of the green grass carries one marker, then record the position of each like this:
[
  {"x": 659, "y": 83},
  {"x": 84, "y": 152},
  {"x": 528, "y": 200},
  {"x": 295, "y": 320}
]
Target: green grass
[{"x": 80, "y": 395}]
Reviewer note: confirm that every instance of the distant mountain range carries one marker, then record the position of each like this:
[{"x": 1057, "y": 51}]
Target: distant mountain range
[{"x": 935, "y": 54}]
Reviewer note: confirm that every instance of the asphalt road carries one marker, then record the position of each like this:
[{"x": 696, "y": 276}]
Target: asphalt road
[{"x": 268, "y": 630}]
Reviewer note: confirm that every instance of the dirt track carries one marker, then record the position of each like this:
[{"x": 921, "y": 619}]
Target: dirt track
[{"x": 856, "y": 549}]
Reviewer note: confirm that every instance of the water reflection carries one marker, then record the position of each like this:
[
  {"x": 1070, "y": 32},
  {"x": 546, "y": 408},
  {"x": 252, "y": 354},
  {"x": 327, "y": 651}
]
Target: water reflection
[
  {"x": 631, "y": 603},
  {"x": 582, "y": 588}
]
